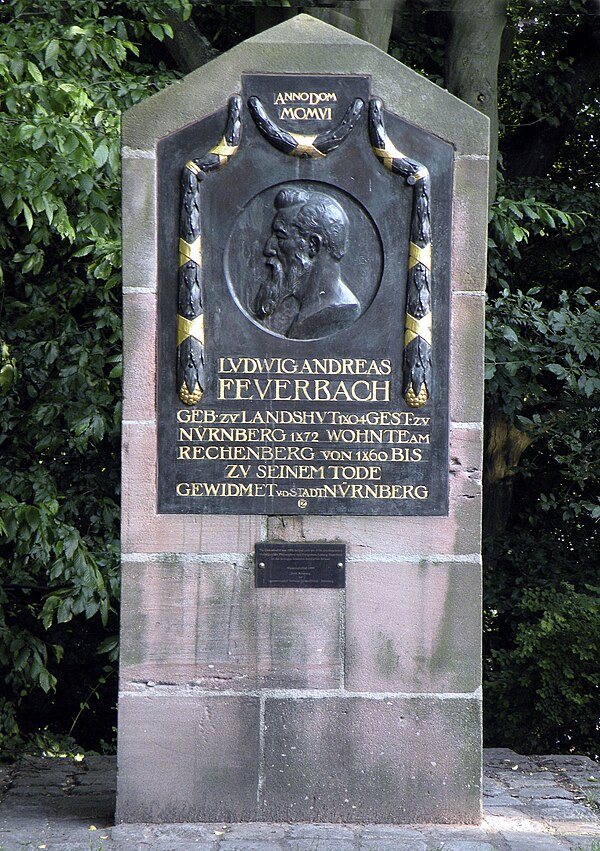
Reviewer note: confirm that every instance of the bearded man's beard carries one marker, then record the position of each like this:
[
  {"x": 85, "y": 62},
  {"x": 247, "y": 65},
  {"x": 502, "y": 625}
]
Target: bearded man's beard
[{"x": 279, "y": 286}]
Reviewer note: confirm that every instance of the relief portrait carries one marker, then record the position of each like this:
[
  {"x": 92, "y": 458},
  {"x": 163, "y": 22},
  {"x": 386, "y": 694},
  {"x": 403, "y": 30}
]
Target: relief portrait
[
  {"x": 313, "y": 260},
  {"x": 309, "y": 237}
]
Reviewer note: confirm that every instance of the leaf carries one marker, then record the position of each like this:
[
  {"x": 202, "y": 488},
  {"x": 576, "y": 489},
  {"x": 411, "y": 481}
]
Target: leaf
[
  {"x": 109, "y": 645},
  {"x": 101, "y": 154},
  {"x": 46, "y": 680},
  {"x": 509, "y": 334},
  {"x": 28, "y": 216},
  {"x": 52, "y": 51},
  {"x": 557, "y": 369},
  {"x": 157, "y": 31},
  {"x": 35, "y": 73}
]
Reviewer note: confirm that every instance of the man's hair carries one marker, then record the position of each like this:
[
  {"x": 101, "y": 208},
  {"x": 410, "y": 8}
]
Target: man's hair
[{"x": 317, "y": 213}]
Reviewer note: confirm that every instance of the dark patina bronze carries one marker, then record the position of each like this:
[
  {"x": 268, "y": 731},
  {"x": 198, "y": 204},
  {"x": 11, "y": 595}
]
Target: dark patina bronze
[{"x": 304, "y": 328}]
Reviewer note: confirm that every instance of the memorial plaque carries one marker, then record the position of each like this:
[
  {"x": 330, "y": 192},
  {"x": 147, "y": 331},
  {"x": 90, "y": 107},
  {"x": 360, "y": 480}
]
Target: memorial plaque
[
  {"x": 304, "y": 253},
  {"x": 300, "y": 565}
]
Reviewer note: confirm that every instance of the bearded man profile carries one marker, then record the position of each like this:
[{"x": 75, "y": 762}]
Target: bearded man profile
[{"x": 305, "y": 297}]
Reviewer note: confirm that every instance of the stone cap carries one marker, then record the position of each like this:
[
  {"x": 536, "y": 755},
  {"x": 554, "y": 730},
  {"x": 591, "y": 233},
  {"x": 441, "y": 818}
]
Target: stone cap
[{"x": 304, "y": 45}]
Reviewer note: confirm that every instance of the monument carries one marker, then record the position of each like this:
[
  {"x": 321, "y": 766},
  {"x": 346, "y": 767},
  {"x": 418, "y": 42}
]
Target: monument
[{"x": 304, "y": 268}]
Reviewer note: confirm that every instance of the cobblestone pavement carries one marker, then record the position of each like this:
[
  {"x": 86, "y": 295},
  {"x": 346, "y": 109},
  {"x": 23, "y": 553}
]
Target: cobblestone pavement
[{"x": 536, "y": 803}]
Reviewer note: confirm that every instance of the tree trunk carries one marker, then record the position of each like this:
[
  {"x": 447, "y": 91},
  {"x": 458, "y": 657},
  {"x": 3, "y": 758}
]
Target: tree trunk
[
  {"x": 504, "y": 446},
  {"x": 370, "y": 24},
  {"x": 472, "y": 56},
  {"x": 532, "y": 149},
  {"x": 188, "y": 47}
]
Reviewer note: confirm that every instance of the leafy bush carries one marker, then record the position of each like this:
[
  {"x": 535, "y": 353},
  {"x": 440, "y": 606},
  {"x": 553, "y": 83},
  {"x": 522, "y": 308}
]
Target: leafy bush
[
  {"x": 542, "y": 688},
  {"x": 66, "y": 74}
]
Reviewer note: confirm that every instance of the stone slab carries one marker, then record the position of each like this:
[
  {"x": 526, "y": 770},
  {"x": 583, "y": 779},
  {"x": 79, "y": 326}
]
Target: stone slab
[
  {"x": 187, "y": 758},
  {"x": 139, "y": 356},
  {"x": 374, "y": 539},
  {"x": 466, "y": 359},
  {"x": 413, "y": 627},
  {"x": 362, "y": 760},
  {"x": 145, "y": 531},
  {"x": 469, "y": 224},
  {"x": 139, "y": 214},
  {"x": 227, "y": 633}
]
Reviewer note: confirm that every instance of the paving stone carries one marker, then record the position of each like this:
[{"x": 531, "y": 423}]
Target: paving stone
[
  {"x": 322, "y": 831},
  {"x": 557, "y": 809},
  {"x": 309, "y": 837},
  {"x": 256, "y": 831},
  {"x": 584, "y": 841},
  {"x": 396, "y": 839},
  {"x": 251, "y": 845},
  {"x": 535, "y": 816},
  {"x": 543, "y": 793},
  {"x": 503, "y": 800},
  {"x": 532, "y": 842},
  {"x": 392, "y": 845},
  {"x": 446, "y": 837},
  {"x": 469, "y": 845}
]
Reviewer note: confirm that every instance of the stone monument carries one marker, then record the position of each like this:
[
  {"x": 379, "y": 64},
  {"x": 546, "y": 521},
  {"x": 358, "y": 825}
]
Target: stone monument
[{"x": 304, "y": 230}]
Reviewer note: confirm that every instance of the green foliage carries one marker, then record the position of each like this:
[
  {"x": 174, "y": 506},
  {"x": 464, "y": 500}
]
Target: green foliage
[
  {"x": 540, "y": 641},
  {"x": 541, "y": 359},
  {"x": 542, "y": 354},
  {"x": 66, "y": 73},
  {"x": 543, "y": 683}
]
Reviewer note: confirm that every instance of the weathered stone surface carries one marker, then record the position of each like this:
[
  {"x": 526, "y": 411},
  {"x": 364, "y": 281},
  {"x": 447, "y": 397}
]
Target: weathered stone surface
[
  {"x": 192, "y": 758},
  {"x": 378, "y": 538},
  {"x": 357, "y": 760},
  {"x": 392, "y": 839},
  {"x": 469, "y": 224},
  {"x": 466, "y": 358},
  {"x": 139, "y": 356},
  {"x": 139, "y": 214},
  {"x": 227, "y": 633},
  {"x": 413, "y": 627},
  {"x": 145, "y": 531}
]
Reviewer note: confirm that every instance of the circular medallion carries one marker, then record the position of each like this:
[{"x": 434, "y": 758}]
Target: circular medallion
[{"x": 303, "y": 260}]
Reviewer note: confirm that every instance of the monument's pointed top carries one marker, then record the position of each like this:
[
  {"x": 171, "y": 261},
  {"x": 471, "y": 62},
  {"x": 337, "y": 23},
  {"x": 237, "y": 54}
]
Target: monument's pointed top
[
  {"x": 305, "y": 29},
  {"x": 306, "y": 45}
]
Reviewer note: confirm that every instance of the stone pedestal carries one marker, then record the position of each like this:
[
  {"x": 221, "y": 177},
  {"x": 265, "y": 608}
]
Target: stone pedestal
[{"x": 294, "y": 704}]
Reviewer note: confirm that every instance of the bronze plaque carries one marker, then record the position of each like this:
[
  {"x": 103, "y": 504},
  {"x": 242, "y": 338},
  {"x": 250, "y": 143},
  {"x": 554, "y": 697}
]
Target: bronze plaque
[
  {"x": 303, "y": 306},
  {"x": 300, "y": 565}
]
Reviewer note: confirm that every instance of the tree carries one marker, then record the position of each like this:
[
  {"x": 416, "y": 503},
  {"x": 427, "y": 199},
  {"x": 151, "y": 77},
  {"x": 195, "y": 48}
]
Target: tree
[
  {"x": 543, "y": 390},
  {"x": 66, "y": 72}
]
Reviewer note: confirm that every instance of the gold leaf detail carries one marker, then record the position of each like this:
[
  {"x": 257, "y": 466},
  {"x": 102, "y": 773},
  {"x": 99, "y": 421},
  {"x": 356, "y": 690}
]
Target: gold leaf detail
[
  {"x": 190, "y": 251},
  {"x": 305, "y": 145},
  {"x": 417, "y": 401},
  {"x": 420, "y": 174},
  {"x": 416, "y": 254},
  {"x": 190, "y": 398},
  {"x": 223, "y": 150},
  {"x": 388, "y": 154},
  {"x": 191, "y": 166},
  {"x": 414, "y": 327},
  {"x": 190, "y": 328}
]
